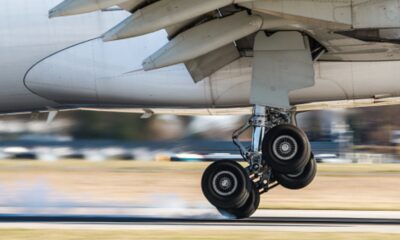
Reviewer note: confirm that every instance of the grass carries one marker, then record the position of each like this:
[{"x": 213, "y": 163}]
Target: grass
[
  {"x": 345, "y": 187},
  {"x": 112, "y": 165},
  {"x": 337, "y": 187},
  {"x": 127, "y": 166},
  {"x": 26, "y": 234}
]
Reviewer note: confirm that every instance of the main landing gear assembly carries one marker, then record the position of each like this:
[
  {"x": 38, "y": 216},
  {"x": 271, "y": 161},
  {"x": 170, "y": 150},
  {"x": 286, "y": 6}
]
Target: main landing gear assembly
[{"x": 280, "y": 154}]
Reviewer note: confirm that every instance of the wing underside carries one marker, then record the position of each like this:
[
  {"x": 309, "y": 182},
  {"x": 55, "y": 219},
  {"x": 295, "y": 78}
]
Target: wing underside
[{"x": 206, "y": 35}]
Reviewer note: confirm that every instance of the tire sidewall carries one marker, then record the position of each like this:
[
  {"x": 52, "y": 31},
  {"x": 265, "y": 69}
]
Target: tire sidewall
[
  {"x": 298, "y": 161},
  {"x": 300, "y": 181},
  {"x": 248, "y": 209},
  {"x": 235, "y": 199}
]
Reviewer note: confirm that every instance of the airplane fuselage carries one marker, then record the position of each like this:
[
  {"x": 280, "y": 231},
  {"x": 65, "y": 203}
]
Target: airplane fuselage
[{"x": 63, "y": 64}]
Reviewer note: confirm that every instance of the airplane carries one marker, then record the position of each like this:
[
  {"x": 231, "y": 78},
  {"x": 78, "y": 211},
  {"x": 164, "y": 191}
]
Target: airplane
[{"x": 270, "y": 59}]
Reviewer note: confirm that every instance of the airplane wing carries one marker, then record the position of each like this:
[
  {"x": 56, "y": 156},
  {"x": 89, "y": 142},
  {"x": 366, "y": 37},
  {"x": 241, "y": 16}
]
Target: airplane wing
[
  {"x": 130, "y": 5},
  {"x": 206, "y": 35}
]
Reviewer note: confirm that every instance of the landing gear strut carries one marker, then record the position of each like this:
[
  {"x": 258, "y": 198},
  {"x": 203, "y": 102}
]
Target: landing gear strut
[{"x": 280, "y": 153}]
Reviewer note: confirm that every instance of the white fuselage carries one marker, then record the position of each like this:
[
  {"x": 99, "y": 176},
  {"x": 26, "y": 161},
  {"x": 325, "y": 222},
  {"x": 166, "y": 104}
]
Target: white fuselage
[{"x": 62, "y": 63}]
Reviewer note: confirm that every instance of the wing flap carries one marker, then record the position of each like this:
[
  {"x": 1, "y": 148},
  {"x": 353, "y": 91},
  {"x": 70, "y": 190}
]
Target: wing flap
[{"x": 205, "y": 65}]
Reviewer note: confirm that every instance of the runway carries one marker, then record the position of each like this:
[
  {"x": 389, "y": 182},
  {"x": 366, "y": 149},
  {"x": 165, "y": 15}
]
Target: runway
[{"x": 286, "y": 221}]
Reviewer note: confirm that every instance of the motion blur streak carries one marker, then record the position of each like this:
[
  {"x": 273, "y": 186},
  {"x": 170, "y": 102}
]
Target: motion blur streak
[{"x": 39, "y": 197}]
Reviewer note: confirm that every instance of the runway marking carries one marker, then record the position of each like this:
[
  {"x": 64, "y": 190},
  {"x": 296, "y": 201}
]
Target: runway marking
[
  {"x": 297, "y": 224},
  {"x": 187, "y": 220}
]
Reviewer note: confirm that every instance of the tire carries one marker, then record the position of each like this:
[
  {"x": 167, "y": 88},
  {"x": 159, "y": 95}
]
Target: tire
[
  {"x": 286, "y": 149},
  {"x": 236, "y": 190},
  {"x": 301, "y": 180},
  {"x": 247, "y": 210}
]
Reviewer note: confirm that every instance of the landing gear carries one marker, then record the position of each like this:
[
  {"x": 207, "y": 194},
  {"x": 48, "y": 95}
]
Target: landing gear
[
  {"x": 248, "y": 208},
  {"x": 286, "y": 149},
  {"x": 279, "y": 154},
  {"x": 226, "y": 185},
  {"x": 298, "y": 180}
]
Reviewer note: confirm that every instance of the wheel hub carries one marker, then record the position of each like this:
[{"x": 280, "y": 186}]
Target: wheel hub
[
  {"x": 285, "y": 147},
  {"x": 224, "y": 183}
]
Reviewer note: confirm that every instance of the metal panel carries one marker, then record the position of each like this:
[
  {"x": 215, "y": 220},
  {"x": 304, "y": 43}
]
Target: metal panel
[
  {"x": 161, "y": 15},
  {"x": 207, "y": 64},
  {"x": 203, "y": 39},
  {"x": 334, "y": 11},
  {"x": 131, "y": 4},
  {"x": 376, "y": 14},
  {"x": 282, "y": 63},
  {"x": 74, "y": 7}
]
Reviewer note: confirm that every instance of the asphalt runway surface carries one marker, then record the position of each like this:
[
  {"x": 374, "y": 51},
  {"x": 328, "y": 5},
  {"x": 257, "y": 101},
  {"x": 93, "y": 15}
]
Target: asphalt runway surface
[{"x": 298, "y": 221}]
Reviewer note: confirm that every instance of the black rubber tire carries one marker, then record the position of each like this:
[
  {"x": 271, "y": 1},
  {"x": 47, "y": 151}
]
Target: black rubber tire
[
  {"x": 234, "y": 200},
  {"x": 247, "y": 210},
  {"x": 296, "y": 163},
  {"x": 301, "y": 180}
]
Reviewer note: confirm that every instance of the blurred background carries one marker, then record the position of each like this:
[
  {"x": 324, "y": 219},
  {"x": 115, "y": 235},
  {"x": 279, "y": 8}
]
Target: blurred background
[
  {"x": 114, "y": 164},
  {"x": 356, "y": 135}
]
